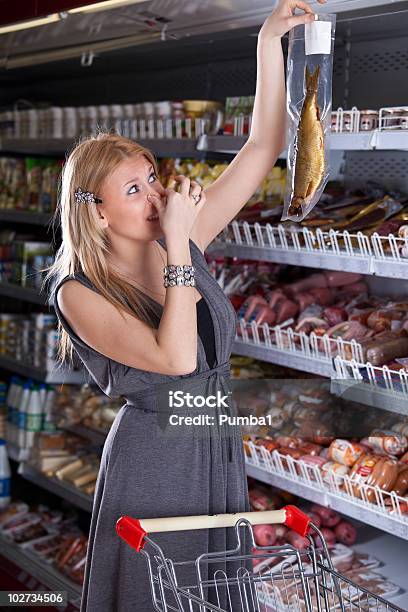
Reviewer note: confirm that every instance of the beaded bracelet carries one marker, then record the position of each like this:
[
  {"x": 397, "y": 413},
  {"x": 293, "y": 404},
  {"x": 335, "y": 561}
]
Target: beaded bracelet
[{"x": 179, "y": 275}]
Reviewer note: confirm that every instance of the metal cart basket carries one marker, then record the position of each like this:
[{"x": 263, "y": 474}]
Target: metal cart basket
[{"x": 268, "y": 579}]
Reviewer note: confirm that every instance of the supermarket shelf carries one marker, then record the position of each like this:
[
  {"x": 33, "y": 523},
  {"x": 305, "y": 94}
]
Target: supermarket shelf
[
  {"x": 380, "y": 387},
  {"x": 23, "y": 216},
  {"x": 25, "y": 294},
  {"x": 393, "y": 556},
  {"x": 359, "y": 141},
  {"x": 364, "y": 393},
  {"x": 39, "y": 146},
  {"x": 162, "y": 147},
  {"x": 58, "y": 376},
  {"x": 93, "y": 435},
  {"x": 167, "y": 147},
  {"x": 313, "y": 490},
  {"x": 332, "y": 250},
  {"x": 224, "y": 144},
  {"x": 43, "y": 572},
  {"x": 61, "y": 488},
  {"x": 298, "y": 361},
  {"x": 300, "y": 257}
]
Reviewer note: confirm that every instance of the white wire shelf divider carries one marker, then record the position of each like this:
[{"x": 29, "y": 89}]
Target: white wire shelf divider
[
  {"x": 390, "y": 256},
  {"x": 41, "y": 571},
  {"x": 302, "y": 247},
  {"x": 308, "y": 353},
  {"x": 380, "y": 255},
  {"x": 376, "y": 386},
  {"x": 386, "y": 511}
]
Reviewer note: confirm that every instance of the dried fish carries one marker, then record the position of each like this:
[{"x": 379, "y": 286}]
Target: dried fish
[{"x": 309, "y": 147}]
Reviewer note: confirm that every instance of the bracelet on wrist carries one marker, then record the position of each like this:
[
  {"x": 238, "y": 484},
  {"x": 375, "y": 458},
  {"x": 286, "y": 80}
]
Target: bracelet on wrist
[{"x": 181, "y": 275}]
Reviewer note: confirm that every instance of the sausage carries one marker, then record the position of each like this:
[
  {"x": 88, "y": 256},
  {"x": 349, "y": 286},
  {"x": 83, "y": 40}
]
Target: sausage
[
  {"x": 265, "y": 315},
  {"x": 388, "y": 442},
  {"x": 361, "y": 471},
  {"x": 275, "y": 297},
  {"x": 288, "y": 441},
  {"x": 270, "y": 445},
  {"x": 250, "y": 305},
  {"x": 381, "y": 320},
  {"x": 264, "y": 535},
  {"x": 350, "y": 291},
  {"x": 315, "y": 518},
  {"x": 291, "y": 452},
  {"x": 309, "y": 324},
  {"x": 304, "y": 300},
  {"x": 383, "y": 476},
  {"x": 311, "y": 449},
  {"x": 311, "y": 460},
  {"x": 313, "y": 281},
  {"x": 401, "y": 484},
  {"x": 328, "y": 535},
  {"x": 345, "y": 452},
  {"x": 348, "y": 330},
  {"x": 331, "y": 469},
  {"x": 323, "y": 296},
  {"x": 286, "y": 309},
  {"x": 329, "y": 517},
  {"x": 345, "y": 533},
  {"x": 297, "y": 541},
  {"x": 386, "y": 349},
  {"x": 338, "y": 279},
  {"x": 404, "y": 458},
  {"x": 334, "y": 315}
]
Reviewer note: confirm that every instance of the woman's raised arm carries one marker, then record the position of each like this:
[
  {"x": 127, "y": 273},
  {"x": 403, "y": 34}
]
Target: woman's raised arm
[{"x": 230, "y": 192}]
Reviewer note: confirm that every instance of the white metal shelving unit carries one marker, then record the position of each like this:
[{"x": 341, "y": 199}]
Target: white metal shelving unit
[
  {"x": 346, "y": 141},
  {"x": 41, "y": 571},
  {"x": 331, "y": 250},
  {"x": 61, "y": 488},
  {"x": 374, "y": 386},
  {"x": 308, "y": 353},
  {"x": 386, "y": 511}
]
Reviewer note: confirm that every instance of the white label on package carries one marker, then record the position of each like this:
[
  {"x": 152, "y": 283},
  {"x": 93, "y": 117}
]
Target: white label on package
[{"x": 317, "y": 37}]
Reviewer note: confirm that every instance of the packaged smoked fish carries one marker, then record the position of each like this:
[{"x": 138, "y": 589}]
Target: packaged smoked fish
[{"x": 308, "y": 103}]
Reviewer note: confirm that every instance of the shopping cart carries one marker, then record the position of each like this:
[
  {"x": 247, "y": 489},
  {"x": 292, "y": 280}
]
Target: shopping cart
[{"x": 268, "y": 579}]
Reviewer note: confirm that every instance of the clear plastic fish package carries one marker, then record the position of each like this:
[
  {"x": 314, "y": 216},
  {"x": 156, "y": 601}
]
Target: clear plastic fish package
[{"x": 309, "y": 104}]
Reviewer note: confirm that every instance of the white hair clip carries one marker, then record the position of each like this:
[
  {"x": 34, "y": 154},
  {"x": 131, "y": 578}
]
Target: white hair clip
[{"x": 86, "y": 197}]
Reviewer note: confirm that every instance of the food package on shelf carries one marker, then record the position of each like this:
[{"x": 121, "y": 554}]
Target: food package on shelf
[{"x": 309, "y": 93}]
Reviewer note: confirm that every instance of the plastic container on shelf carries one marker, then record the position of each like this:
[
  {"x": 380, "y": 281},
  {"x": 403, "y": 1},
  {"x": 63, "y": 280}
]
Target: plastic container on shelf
[
  {"x": 91, "y": 118},
  {"x": 115, "y": 117},
  {"x": 81, "y": 120},
  {"x": 69, "y": 122},
  {"x": 5, "y": 476}
]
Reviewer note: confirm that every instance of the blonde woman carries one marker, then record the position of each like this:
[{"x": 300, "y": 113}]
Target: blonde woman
[{"x": 138, "y": 332}]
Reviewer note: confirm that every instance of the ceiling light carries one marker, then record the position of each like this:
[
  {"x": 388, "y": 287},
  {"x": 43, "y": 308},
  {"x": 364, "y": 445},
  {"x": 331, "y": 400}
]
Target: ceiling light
[
  {"x": 102, "y": 6},
  {"x": 32, "y": 23}
]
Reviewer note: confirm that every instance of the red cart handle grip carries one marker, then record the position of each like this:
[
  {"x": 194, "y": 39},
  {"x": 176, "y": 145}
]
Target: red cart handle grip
[
  {"x": 131, "y": 531},
  {"x": 297, "y": 520}
]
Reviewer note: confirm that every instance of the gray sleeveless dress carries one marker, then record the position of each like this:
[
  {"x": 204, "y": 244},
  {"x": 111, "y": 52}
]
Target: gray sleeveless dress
[{"x": 152, "y": 469}]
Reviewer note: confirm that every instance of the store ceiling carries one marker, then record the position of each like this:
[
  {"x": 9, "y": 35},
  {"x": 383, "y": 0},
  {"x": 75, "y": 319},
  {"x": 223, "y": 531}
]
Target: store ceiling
[{"x": 81, "y": 35}]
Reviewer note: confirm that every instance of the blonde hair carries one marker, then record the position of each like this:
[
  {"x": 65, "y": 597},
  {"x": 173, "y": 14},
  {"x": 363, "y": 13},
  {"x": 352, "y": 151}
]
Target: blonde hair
[{"x": 84, "y": 244}]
